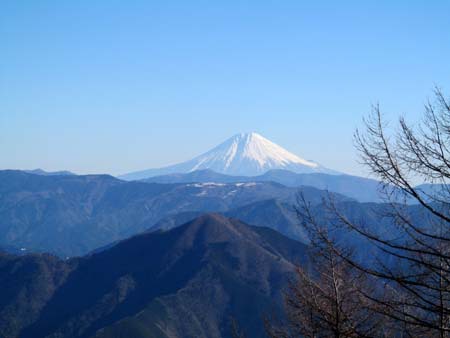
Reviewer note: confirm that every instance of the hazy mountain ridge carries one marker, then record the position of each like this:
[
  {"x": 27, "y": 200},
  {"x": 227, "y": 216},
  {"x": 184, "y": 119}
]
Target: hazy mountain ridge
[
  {"x": 73, "y": 215},
  {"x": 40, "y": 171},
  {"x": 270, "y": 213}
]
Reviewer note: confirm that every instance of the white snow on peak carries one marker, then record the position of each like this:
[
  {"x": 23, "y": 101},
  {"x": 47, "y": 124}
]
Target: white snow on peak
[
  {"x": 246, "y": 154},
  {"x": 250, "y": 154},
  {"x": 263, "y": 151}
]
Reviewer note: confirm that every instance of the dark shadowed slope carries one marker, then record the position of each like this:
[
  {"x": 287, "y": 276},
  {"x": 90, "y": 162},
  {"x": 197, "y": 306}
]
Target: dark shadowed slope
[
  {"x": 185, "y": 282},
  {"x": 27, "y": 283}
]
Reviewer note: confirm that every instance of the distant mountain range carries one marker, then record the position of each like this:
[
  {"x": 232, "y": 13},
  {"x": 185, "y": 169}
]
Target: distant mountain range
[
  {"x": 247, "y": 154},
  {"x": 186, "y": 282},
  {"x": 72, "y": 215}
]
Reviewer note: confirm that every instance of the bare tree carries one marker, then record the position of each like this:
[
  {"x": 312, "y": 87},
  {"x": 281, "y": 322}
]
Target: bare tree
[
  {"x": 414, "y": 265},
  {"x": 327, "y": 297},
  {"x": 410, "y": 273}
]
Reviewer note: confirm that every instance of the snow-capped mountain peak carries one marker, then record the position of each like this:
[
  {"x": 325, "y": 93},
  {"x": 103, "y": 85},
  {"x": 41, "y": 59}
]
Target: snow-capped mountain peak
[
  {"x": 246, "y": 154},
  {"x": 249, "y": 147}
]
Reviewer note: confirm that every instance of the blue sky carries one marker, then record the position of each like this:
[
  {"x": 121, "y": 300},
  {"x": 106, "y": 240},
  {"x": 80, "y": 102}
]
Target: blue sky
[{"x": 116, "y": 86}]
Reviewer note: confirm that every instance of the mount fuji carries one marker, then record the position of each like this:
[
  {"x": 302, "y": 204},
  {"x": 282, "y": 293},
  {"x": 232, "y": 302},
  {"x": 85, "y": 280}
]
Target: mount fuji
[{"x": 245, "y": 154}]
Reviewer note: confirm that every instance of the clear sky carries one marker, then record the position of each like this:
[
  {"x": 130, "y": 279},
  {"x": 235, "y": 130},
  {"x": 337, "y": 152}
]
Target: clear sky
[{"x": 116, "y": 86}]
